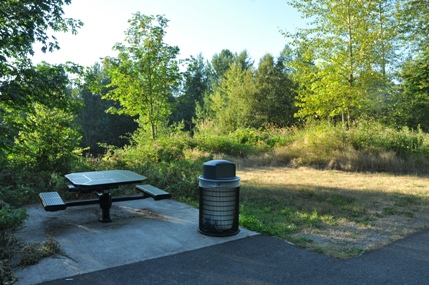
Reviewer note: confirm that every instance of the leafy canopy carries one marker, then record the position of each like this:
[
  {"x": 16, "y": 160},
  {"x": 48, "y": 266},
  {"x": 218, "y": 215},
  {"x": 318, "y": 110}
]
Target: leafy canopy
[{"x": 145, "y": 73}]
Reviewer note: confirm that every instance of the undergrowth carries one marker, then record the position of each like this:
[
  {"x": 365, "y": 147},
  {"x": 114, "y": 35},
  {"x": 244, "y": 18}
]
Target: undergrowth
[{"x": 174, "y": 162}]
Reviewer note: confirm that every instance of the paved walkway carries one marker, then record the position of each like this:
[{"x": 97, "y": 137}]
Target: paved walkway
[{"x": 158, "y": 243}]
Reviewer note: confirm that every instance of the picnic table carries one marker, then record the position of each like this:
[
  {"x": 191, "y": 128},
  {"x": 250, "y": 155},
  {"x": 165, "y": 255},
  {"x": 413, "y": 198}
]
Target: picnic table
[{"x": 100, "y": 183}]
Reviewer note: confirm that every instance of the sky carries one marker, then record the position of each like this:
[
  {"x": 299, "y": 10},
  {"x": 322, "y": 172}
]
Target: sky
[{"x": 195, "y": 26}]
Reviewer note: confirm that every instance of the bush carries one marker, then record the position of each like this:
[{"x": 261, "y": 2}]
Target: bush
[
  {"x": 364, "y": 147},
  {"x": 373, "y": 137},
  {"x": 240, "y": 143},
  {"x": 10, "y": 219},
  {"x": 169, "y": 145},
  {"x": 49, "y": 141},
  {"x": 20, "y": 186}
]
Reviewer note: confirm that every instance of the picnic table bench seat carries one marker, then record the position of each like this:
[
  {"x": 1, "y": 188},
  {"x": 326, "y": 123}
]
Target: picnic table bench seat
[
  {"x": 52, "y": 201},
  {"x": 152, "y": 191}
]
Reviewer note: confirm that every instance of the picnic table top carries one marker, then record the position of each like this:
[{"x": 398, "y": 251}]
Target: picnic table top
[{"x": 104, "y": 178}]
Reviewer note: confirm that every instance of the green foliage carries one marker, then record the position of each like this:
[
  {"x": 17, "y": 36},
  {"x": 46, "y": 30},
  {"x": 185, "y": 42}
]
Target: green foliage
[
  {"x": 48, "y": 142},
  {"x": 413, "y": 16},
  {"x": 230, "y": 101},
  {"x": 274, "y": 103},
  {"x": 23, "y": 23},
  {"x": 45, "y": 84},
  {"x": 169, "y": 146},
  {"x": 240, "y": 143},
  {"x": 145, "y": 73},
  {"x": 179, "y": 177},
  {"x": 412, "y": 104},
  {"x": 174, "y": 173},
  {"x": 374, "y": 137},
  {"x": 367, "y": 146},
  {"x": 11, "y": 219},
  {"x": 340, "y": 60},
  {"x": 243, "y": 97},
  {"x": 196, "y": 83},
  {"x": 98, "y": 126},
  {"x": 19, "y": 186},
  {"x": 223, "y": 61}
]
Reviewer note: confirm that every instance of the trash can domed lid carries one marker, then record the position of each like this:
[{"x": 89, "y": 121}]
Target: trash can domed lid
[{"x": 218, "y": 169}]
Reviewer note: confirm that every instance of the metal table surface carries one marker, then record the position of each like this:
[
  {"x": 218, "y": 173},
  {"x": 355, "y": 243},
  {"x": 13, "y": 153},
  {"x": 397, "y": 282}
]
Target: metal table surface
[{"x": 104, "y": 178}]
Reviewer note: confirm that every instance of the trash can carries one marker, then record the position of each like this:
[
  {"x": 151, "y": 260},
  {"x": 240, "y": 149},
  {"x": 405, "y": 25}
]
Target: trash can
[{"x": 219, "y": 199}]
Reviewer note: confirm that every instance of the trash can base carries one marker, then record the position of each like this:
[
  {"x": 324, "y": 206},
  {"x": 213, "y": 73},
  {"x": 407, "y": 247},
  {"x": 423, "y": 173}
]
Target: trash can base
[{"x": 220, "y": 234}]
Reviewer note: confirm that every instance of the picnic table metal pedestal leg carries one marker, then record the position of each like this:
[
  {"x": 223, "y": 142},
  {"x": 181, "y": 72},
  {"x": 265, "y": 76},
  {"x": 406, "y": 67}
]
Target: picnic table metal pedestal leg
[{"x": 105, "y": 205}]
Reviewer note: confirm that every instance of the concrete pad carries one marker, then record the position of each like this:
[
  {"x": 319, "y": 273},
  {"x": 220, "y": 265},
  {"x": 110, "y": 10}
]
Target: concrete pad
[{"x": 141, "y": 230}]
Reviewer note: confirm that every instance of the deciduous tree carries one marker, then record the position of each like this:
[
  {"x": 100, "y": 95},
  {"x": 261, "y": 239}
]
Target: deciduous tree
[
  {"x": 23, "y": 23},
  {"x": 230, "y": 102},
  {"x": 341, "y": 57},
  {"x": 144, "y": 73}
]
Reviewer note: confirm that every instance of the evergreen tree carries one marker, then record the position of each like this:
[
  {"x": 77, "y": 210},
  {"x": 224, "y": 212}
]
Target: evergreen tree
[
  {"x": 275, "y": 100},
  {"x": 196, "y": 83}
]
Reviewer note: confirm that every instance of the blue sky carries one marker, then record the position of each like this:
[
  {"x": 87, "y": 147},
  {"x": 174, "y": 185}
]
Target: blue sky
[{"x": 196, "y": 26}]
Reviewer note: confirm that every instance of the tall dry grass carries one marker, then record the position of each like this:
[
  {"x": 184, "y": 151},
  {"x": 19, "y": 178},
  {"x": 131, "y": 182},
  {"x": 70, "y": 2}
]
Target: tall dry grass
[{"x": 366, "y": 147}]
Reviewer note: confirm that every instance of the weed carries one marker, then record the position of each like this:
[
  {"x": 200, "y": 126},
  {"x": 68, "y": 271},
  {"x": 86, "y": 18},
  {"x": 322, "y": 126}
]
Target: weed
[{"x": 32, "y": 253}]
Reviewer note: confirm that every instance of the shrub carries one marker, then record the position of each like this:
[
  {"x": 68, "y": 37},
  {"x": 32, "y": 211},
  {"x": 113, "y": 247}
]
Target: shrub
[
  {"x": 240, "y": 143},
  {"x": 168, "y": 146},
  {"x": 49, "y": 141},
  {"x": 10, "y": 219},
  {"x": 374, "y": 137}
]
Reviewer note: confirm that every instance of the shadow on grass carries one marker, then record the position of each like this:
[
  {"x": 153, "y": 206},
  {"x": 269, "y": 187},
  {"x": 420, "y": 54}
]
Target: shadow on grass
[{"x": 318, "y": 217}]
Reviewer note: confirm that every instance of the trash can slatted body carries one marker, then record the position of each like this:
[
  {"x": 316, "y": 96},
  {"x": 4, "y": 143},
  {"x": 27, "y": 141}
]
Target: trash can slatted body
[{"x": 219, "y": 200}]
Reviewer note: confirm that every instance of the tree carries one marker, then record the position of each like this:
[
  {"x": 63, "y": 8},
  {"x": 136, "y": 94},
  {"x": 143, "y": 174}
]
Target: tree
[
  {"x": 222, "y": 62},
  {"x": 44, "y": 84},
  {"x": 412, "y": 100},
  {"x": 22, "y": 23},
  {"x": 144, "y": 73},
  {"x": 414, "y": 18},
  {"x": 275, "y": 100},
  {"x": 196, "y": 83},
  {"x": 25, "y": 22},
  {"x": 341, "y": 57},
  {"x": 230, "y": 101},
  {"x": 97, "y": 125},
  {"x": 412, "y": 105},
  {"x": 47, "y": 139}
]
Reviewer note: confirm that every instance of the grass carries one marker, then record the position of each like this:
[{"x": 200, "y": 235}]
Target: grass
[
  {"x": 340, "y": 214},
  {"x": 343, "y": 210}
]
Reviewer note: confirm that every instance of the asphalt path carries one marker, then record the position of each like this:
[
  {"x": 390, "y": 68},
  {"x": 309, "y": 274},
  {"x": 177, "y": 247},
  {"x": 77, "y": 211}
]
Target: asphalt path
[
  {"x": 267, "y": 260},
  {"x": 185, "y": 256}
]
